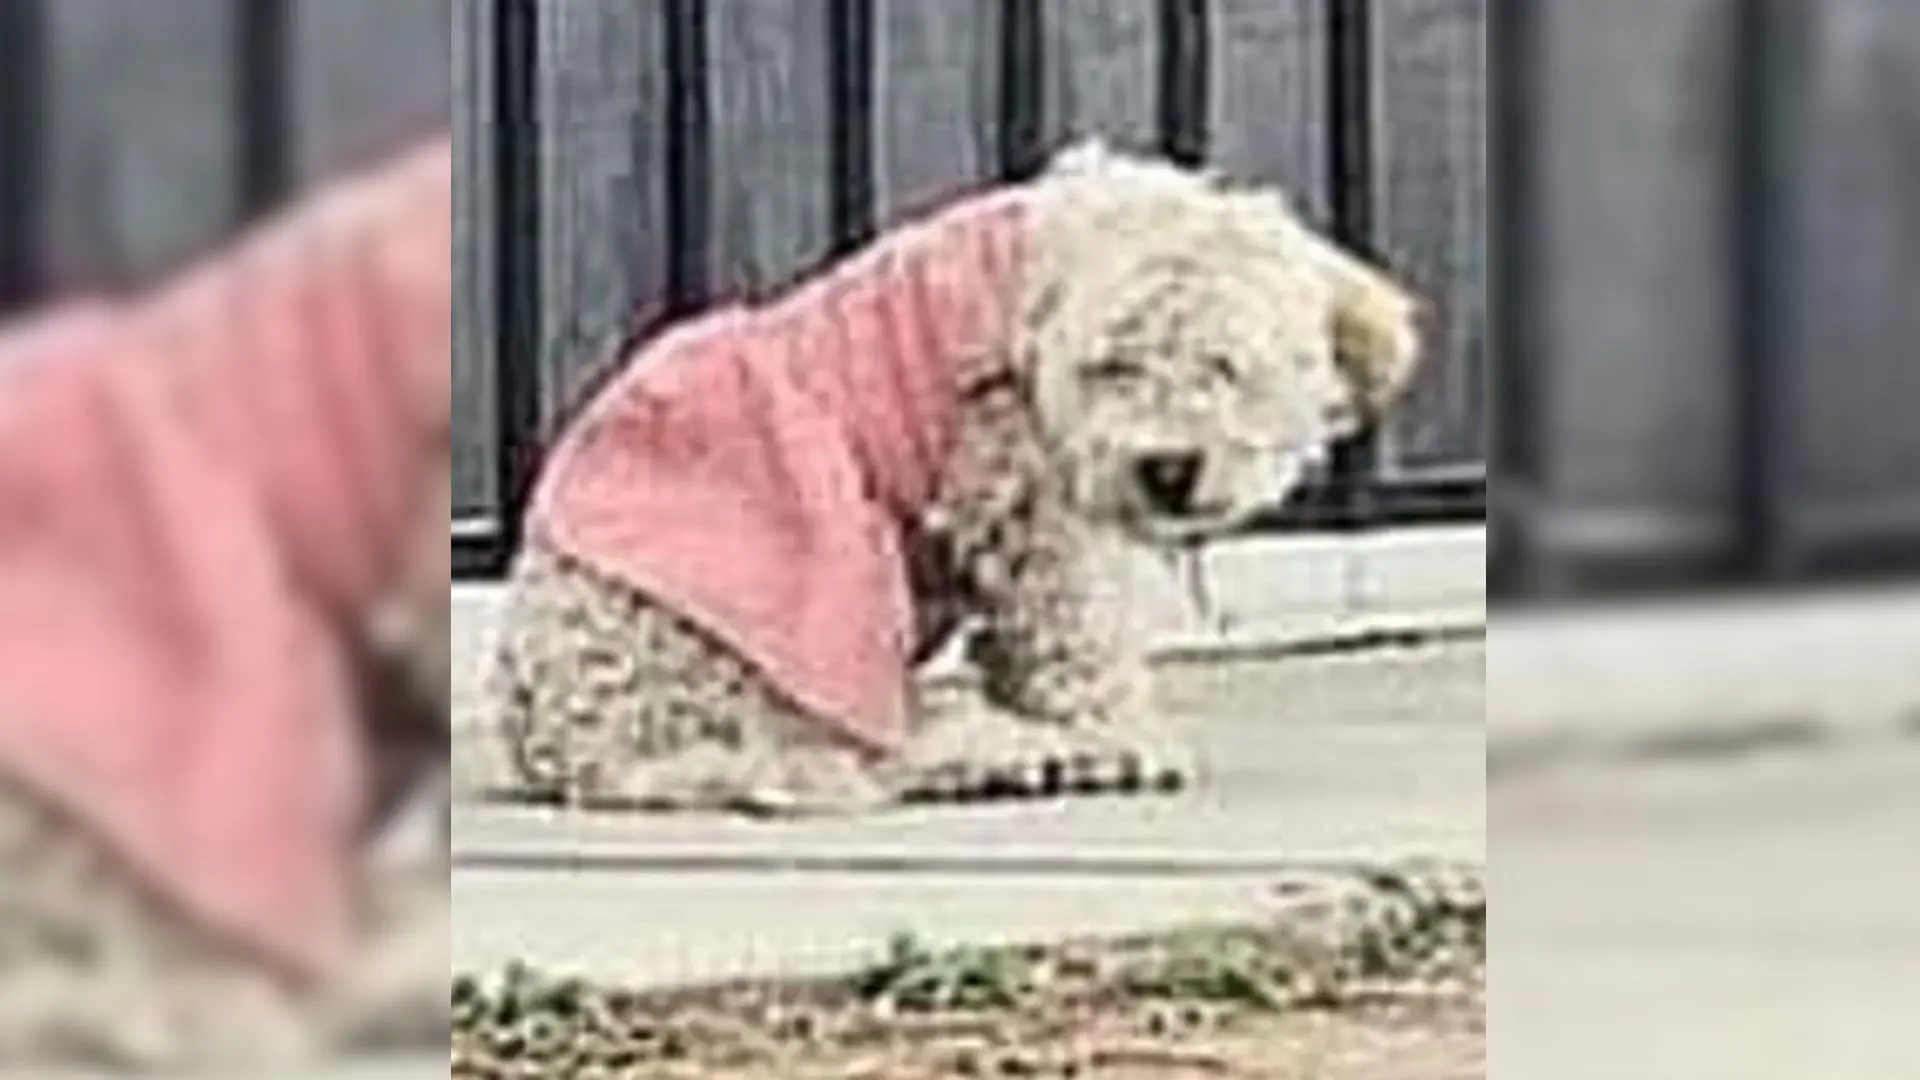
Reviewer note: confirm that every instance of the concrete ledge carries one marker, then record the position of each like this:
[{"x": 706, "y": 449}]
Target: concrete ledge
[
  {"x": 686, "y": 928},
  {"x": 1694, "y": 680}
]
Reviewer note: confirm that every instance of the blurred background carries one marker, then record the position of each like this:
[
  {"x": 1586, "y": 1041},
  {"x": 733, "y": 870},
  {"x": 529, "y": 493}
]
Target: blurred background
[
  {"x": 1711, "y": 240},
  {"x": 136, "y": 135},
  {"x": 1702, "y": 804}
]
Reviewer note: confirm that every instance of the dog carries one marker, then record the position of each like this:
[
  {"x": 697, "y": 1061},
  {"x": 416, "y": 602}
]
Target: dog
[
  {"x": 742, "y": 547},
  {"x": 223, "y": 612}
]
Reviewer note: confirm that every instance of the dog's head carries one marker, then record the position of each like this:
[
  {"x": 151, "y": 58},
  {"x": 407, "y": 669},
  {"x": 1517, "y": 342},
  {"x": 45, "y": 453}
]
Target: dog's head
[{"x": 1194, "y": 347}]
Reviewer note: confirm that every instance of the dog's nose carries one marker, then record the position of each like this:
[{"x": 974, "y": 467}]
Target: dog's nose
[{"x": 1169, "y": 480}]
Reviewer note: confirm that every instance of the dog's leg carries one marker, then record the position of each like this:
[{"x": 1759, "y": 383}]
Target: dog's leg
[
  {"x": 609, "y": 701},
  {"x": 394, "y": 995},
  {"x": 1066, "y": 706},
  {"x": 68, "y": 991},
  {"x": 1066, "y": 703},
  {"x": 94, "y": 969}
]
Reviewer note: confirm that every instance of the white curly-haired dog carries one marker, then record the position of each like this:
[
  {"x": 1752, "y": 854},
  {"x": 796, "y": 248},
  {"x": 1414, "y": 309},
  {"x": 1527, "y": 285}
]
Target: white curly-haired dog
[{"x": 740, "y": 549}]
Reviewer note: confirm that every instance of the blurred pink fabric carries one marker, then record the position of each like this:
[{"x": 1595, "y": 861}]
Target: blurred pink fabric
[
  {"x": 199, "y": 489},
  {"x": 757, "y": 468}
]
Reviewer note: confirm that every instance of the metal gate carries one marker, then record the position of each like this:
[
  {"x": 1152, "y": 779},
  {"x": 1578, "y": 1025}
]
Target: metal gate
[{"x": 628, "y": 163}]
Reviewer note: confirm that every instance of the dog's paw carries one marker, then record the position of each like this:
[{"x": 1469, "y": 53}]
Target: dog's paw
[
  {"x": 240, "y": 1020},
  {"x": 140, "y": 1020},
  {"x": 394, "y": 995},
  {"x": 55, "y": 1016},
  {"x": 790, "y": 781},
  {"x": 810, "y": 780},
  {"x": 1102, "y": 760},
  {"x": 983, "y": 754}
]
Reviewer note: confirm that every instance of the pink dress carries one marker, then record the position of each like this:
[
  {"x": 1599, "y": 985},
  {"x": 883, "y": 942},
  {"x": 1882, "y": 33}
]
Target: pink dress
[{"x": 757, "y": 468}]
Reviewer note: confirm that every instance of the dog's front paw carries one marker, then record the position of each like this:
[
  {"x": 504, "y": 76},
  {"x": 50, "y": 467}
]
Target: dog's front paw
[
  {"x": 804, "y": 779},
  {"x": 394, "y": 995},
  {"x": 979, "y": 753},
  {"x": 1128, "y": 760}
]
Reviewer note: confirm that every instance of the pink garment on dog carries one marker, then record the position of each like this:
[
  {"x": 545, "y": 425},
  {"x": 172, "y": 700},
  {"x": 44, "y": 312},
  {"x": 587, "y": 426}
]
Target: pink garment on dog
[
  {"x": 198, "y": 490},
  {"x": 757, "y": 469}
]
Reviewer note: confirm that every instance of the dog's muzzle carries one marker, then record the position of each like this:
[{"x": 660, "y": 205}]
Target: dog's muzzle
[
  {"x": 1169, "y": 482},
  {"x": 1171, "y": 499}
]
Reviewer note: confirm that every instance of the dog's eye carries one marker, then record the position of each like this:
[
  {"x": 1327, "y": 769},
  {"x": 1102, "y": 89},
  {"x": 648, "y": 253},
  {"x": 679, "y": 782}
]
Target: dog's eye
[
  {"x": 1121, "y": 370},
  {"x": 1343, "y": 419},
  {"x": 1220, "y": 368}
]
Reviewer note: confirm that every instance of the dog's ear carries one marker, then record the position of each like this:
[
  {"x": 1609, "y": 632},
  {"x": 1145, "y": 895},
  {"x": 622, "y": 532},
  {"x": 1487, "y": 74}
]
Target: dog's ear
[{"x": 1376, "y": 333}]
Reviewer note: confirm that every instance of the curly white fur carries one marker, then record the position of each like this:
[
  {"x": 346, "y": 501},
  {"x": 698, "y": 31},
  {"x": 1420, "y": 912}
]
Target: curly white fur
[{"x": 1170, "y": 312}]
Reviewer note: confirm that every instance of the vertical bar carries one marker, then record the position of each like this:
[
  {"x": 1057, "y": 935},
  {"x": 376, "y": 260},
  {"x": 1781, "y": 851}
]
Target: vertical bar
[
  {"x": 1522, "y": 362},
  {"x": 1350, "y": 167},
  {"x": 262, "y": 107},
  {"x": 689, "y": 154},
  {"x": 516, "y": 286},
  {"x": 1022, "y": 88},
  {"x": 851, "y": 57},
  {"x": 1771, "y": 89},
  {"x": 23, "y": 104},
  {"x": 1183, "y": 78}
]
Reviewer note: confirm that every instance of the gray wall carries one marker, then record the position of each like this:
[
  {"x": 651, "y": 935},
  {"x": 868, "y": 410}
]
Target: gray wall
[
  {"x": 1634, "y": 388},
  {"x": 937, "y": 109}
]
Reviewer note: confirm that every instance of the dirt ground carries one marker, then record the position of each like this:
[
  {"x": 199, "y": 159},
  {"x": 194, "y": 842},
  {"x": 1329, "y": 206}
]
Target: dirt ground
[
  {"x": 1402, "y": 1001},
  {"x": 1426, "y": 1042},
  {"x": 1386, "y": 1040}
]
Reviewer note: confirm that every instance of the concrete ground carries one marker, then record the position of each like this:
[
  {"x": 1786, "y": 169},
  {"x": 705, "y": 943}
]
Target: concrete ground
[
  {"x": 1330, "y": 758},
  {"x": 1748, "y": 920},
  {"x": 1707, "y": 817},
  {"x": 1318, "y": 760},
  {"x": 1715, "y": 883}
]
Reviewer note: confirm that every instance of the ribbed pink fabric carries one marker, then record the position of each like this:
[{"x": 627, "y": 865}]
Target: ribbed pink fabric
[
  {"x": 755, "y": 468},
  {"x": 196, "y": 489}
]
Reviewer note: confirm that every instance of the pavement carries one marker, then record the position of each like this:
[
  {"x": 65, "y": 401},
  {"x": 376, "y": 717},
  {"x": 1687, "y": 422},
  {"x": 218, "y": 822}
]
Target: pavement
[
  {"x": 1730, "y": 920},
  {"x": 1707, "y": 820},
  {"x": 1314, "y": 754},
  {"x": 1705, "y": 813},
  {"x": 1367, "y": 756}
]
